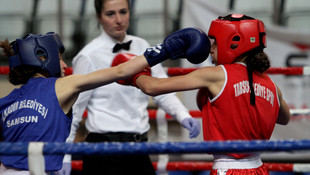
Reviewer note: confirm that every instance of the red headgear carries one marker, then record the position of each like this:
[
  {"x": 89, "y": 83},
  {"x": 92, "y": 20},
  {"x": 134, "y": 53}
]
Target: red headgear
[{"x": 235, "y": 35}]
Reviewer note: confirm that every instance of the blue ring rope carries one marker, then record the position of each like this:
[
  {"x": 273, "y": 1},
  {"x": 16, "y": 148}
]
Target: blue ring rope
[{"x": 126, "y": 148}]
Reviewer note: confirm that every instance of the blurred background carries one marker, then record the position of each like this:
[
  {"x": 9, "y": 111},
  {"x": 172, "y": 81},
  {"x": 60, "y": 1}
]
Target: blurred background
[
  {"x": 287, "y": 24},
  {"x": 76, "y": 23}
]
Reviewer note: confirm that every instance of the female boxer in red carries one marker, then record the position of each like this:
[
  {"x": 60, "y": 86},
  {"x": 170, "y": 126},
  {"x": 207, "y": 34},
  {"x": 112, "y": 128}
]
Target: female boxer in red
[{"x": 238, "y": 100}]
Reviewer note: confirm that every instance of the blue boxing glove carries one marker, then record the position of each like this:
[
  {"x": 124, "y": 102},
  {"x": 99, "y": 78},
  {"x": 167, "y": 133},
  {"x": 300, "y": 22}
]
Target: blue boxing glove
[
  {"x": 192, "y": 125},
  {"x": 190, "y": 43}
]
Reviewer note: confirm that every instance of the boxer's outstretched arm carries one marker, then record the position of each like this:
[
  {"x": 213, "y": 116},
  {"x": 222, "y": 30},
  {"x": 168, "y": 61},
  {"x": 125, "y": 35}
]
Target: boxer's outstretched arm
[
  {"x": 68, "y": 88},
  {"x": 211, "y": 78},
  {"x": 80, "y": 83}
]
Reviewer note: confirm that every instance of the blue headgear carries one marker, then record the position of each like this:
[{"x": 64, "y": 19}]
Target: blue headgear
[{"x": 28, "y": 50}]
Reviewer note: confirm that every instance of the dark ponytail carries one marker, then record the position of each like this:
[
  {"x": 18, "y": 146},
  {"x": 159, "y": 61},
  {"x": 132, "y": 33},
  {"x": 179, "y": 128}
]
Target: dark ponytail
[{"x": 256, "y": 62}]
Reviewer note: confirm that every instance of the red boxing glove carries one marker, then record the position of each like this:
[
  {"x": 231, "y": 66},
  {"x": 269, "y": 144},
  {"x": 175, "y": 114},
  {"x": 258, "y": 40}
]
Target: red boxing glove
[
  {"x": 145, "y": 71},
  {"x": 123, "y": 57},
  {"x": 202, "y": 97},
  {"x": 119, "y": 59}
]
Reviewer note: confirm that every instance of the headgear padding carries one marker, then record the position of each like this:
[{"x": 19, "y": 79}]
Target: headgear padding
[
  {"x": 235, "y": 35},
  {"x": 28, "y": 50}
]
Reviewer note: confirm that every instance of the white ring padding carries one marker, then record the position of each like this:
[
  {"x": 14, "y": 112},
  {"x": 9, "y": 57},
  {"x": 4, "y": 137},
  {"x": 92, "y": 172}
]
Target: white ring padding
[
  {"x": 166, "y": 69},
  {"x": 35, "y": 158},
  {"x": 163, "y": 160},
  {"x": 300, "y": 167},
  {"x": 162, "y": 130},
  {"x": 162, "y": 124},
  {"x": 306, "y": 70},
  {"x": 67, "y": 158},
  {"x": 299, "y": 111}
]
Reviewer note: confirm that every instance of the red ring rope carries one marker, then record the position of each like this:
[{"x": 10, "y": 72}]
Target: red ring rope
[
  {"x": 173, "y": 71},
  {"x": 198, "y": 166},
  {"x": 4, "y": 70},
  {"x": 198, "y": 114},
  {"x": 193, "y": 113}
]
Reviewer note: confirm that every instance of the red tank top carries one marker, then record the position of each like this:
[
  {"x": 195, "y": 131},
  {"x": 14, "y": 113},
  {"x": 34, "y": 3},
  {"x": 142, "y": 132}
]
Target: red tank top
[{"x": 230, "y": 116}]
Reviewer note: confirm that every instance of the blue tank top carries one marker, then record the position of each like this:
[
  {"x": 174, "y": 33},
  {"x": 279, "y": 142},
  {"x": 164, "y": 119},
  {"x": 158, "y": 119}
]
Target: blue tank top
[{"x": 32, "y": 113}]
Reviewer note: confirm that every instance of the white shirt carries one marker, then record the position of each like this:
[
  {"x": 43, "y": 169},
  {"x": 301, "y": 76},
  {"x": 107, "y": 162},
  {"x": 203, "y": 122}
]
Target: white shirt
[{"x": 114, "y": 107}]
